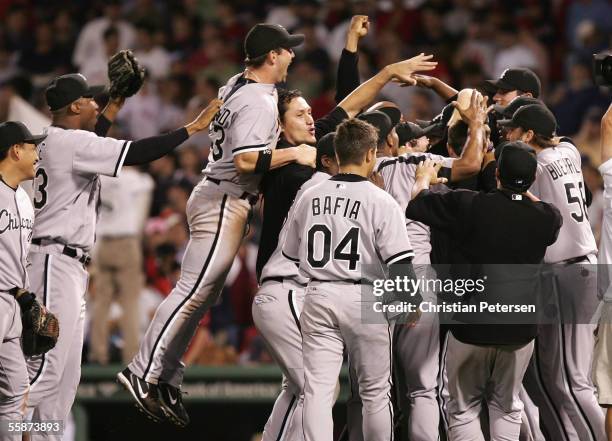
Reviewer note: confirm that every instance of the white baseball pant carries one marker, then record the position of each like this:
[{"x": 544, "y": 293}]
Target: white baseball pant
[
  {"x": 276, "y": 312},
  {"x": 332, "y": 319},
  {"x": 13, "y": 371},
  {"x": 217, "y": 224},
  {"x": 485, "y": 373},
  {"x": 60, "y": 283}
]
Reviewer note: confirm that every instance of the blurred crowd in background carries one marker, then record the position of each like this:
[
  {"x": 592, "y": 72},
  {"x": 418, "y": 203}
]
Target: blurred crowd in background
[{"x": 191, "y": 47}]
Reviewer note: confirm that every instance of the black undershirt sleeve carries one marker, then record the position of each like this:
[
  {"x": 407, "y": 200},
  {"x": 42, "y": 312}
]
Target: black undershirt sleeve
[
  {"x": 347, "y": 78},
  {"x": 149, "y": 149},
  {"x": 103, "y": 125}
]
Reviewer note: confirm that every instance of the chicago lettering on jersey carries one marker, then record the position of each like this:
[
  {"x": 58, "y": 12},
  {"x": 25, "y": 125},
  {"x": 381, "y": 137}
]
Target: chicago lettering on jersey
[
  {"x": 336, "y": 205},
  {"x": 10, "y": 221},
  {"x": 561, "y": 167}
]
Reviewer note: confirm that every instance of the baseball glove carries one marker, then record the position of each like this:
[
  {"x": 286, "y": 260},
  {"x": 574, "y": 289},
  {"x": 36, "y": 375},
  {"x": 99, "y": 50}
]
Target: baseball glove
[
  {"x": 40, "y": 327},
  {"x": 125, "y": 74}
]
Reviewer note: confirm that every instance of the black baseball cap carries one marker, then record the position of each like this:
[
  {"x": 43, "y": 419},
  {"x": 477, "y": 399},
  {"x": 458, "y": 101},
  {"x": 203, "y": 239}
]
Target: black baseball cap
[
  {"x": 379, "y": 120},
  {"x": 517, "y": 165},
  {"x": 522, "y": 79},
  {"x": 394, "y": 114},
  {"x": 69, "y": 88},
  {"x": 407, "y": 131},
  {"x": 15, "y": 132},
  {"x": 325, "y": 146},
  {"x": 515, "y": 104},
  {"x": 534, "y": 117},
  {"x": 264, "y": 37}
]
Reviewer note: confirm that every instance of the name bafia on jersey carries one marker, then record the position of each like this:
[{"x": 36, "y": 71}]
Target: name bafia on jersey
[
  {"x": 559, "y": 181},
  {"x": 246, "y": 122},
  {"x": 346, "y": 229},
  {"x": 67, "y": 184}
]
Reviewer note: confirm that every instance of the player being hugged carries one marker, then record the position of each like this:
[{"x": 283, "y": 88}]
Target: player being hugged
[
  {"x": 67, "y": 190},
  {"x": 244, "y": 136},
  {"x": 342, "y": 231}
]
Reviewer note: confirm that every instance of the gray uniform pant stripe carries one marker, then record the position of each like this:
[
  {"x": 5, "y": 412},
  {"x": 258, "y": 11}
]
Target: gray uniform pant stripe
[{"x": 152, "y": 357}]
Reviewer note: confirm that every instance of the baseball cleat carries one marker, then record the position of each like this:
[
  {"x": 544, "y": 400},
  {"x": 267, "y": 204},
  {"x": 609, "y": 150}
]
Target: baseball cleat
[
  {"x": 145, "y": 394},
  {"x": 171, "y": 402}
]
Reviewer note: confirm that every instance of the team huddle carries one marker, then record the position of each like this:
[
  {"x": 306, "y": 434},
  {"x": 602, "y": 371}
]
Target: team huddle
[{"x": 353, "y": 197}]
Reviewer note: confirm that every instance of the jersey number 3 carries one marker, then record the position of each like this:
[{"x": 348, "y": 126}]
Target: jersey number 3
[
  {"x": 319, "y": 256},
  {"x": 40, "y": 187},
  {"x": 217, "y": 152}
]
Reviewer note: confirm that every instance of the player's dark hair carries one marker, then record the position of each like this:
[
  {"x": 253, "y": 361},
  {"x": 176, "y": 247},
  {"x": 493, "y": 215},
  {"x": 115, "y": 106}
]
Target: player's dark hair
[
  {"x": 259, "y": 61},
  {"x": 457, "y": 136},
  {"x": 284, "y": 98},
  {"x": 353, "y": 139},
  {"x": 542, "y": 141},
  {"x": 4, "y": 153}
]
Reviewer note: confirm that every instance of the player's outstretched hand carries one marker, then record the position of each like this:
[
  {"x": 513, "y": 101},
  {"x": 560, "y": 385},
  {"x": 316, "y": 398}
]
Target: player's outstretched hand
[
  {"x": 428, "y": 171},
  {"x": 403, "y": 71},
  {"x": 306, "y": 155},
  {"x": 476, "y": 111},
  {"x": 205, "y": 117},
  {"x": 424, "y": 81}
]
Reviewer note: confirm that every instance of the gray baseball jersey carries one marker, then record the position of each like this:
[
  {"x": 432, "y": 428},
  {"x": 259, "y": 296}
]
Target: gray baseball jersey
[
  {"x": 559, "y": 181},
  {"x": 278, "y": 265},
  {"x": 399, "y": 176},
  {"x": 345, "y": 228},
  {"x": 246, "y": 122},
  {"x": 16, "y": 222},
  {"x": 67, "y": 184}
]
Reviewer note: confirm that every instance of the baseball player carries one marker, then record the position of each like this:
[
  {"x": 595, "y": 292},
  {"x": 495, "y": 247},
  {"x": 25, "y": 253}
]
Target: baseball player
[
  {"x": 486, "y": 362},
  {"x": 559, "y": 380},
  {"x": 67, "y": 188},
  {"x": 18, "y": 157},
  {"x": 417, "y": 348},
  {"x": 280, "y": 186},
  {"x": 342, "y": 231},
  {"x": 244, "y": 136},
  {"x": 602, "y": 361},
  {"x": 276, "y": 313}
]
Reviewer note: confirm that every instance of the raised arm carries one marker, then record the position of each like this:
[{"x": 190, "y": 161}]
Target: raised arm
[
  {"x": 402, "y": 72},
  {"x": 347, "y": 78},
  {"x": 443, "y": 90},
  {"x": 475, "y": 115},
  {"x": 149, "y": 149},
  {"x": 108, "y": 115}
]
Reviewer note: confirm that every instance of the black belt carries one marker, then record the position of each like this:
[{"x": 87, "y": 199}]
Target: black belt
[
  {"x": 251, "y": 198},
  {"x": 575, "y": 260},
  {"x": 68, "y": 251},
  {"x": 354, "y": 282}
]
